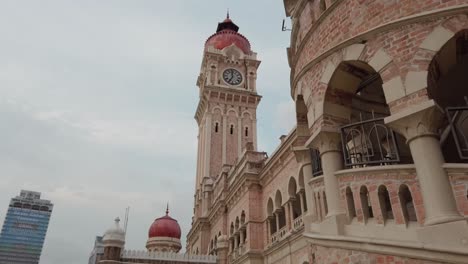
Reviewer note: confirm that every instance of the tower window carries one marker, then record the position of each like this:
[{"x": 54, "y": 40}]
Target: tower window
[
  {"x": 231, "y": 130},
  {"x": 216, "y": 127},
  {"x": 246, "y": 131}
]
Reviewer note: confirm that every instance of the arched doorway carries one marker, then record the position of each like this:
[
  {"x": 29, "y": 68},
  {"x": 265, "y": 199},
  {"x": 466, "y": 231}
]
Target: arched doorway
[
  {"x": 355, "y": 103},
  {"x": 447, "y": 86}
]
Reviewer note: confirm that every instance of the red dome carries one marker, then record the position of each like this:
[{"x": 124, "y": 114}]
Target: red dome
[
  {"x": 226, "y": 35},
  {"x": 165, "y": 226}
]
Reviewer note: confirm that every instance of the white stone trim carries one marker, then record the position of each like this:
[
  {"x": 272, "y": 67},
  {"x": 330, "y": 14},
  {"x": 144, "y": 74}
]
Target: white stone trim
[
  {"x": 328, "y": 73},
  {"x": 380, "y": 60},
  {"x": 436, "y": 39},
  {"x": 393, "y": 89},
  {"x": 353, "y": 52},
  {"x": 415, "y": 81}
]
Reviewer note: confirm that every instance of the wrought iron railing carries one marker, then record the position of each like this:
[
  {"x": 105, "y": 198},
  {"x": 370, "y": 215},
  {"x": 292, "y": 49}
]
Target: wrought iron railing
[
  {"x": 316, "y": 163},
  {"x": 458, "y": 120},
  {"x": 369, "y": 142}
]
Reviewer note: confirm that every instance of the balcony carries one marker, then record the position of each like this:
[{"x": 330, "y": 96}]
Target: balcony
[
  {"x": 458, "y": 125},
  {"x": 369, "y": 143},
  {"x": 298, "y": 223}
]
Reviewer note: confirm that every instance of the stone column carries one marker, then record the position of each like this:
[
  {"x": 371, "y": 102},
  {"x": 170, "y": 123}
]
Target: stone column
[
  {"x": 301, "y": 197},
  {"x": 291, "y": 210},
  {"x": 329, "y": 145},
  {"x": 277, "y": 221},
  {"x": 222, "y": 249},
  {"x": 236, "y": 241},
  {"x": 288, "y": 216},
  {"x": 268, "y": 229},
  {"x": 241, "y": 234},
  {"x": 303, "y": 157},
  {"x": 419, "y": 125}
]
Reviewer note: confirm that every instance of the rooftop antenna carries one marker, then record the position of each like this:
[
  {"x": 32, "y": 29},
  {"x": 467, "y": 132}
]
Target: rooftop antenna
[
  {"x": 127, "y": 212},
  {"x": 283, "y": 28}
]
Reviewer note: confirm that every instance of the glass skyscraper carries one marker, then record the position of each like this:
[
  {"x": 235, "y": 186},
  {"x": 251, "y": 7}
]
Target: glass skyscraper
[{"x": 24, "y": 229}]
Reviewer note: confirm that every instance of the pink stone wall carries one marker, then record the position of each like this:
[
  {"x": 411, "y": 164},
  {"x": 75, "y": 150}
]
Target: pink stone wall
[
  {"x": 324, "y": 255},
  {"x": 216, "y": 143},
  {"x": 459, "y": 181},
  {"x": 231, "y": 139},
  {"x": 247, "y": 122},
  {"x": 390, "y": 179}
]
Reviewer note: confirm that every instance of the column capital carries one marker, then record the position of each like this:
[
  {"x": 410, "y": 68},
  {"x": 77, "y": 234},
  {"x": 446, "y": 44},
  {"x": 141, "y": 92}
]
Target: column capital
[
  {"x": 325, "y": 141},
  {"x": 222, "y": 243},
  {"x": 302, "y": 155},
  {"x": 420, "y": 120}
]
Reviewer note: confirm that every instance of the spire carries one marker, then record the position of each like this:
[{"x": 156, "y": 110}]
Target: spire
[
  {"x": 167, "y": 209},
  {"x": 227, "y": 16}
]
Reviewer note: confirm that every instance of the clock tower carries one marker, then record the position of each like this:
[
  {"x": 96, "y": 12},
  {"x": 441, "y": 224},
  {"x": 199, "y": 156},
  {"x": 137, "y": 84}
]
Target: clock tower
[{"x": 226, "y": 114}]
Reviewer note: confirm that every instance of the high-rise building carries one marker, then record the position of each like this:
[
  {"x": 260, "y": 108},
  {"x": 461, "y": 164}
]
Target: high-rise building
[
  {"x": 98, "y": 251},
  {"x": 24, "y": 229}
]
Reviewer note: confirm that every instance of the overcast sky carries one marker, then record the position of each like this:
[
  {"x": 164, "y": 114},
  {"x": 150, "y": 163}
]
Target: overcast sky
[{"x": 97, "y": 100}]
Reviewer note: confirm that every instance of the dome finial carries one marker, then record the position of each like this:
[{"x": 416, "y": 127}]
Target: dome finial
[
  {"x": 227, "y": 16},
  {"x": 167, "y": 209}
]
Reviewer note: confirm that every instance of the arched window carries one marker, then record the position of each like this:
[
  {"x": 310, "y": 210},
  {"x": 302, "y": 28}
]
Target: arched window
[
  {"x": 231, "y": 129},
  {"x": 407, "y": 205},
  {"x": 366, "y": 203},
  {"x": 246, "y": 131},
  {"x": 280, "y": 210},
  {"x": 446, "y": 81},
  {"x": 350, "y": 203},
  {"x": 242, "y": 217},
  {"x": 216, "y": 127},
  {"x": 385, "y": 204}
]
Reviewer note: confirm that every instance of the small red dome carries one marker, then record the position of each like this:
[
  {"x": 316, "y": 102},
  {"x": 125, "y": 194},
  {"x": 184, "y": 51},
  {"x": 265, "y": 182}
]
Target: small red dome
[
  {"x": 165, "y": 226},
  {"x": 226, "y": 35}
]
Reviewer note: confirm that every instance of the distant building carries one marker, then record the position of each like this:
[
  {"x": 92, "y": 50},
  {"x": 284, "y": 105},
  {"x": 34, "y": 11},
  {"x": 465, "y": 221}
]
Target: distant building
[
  {"x": 98, "y": 251},
  {"x": 24, "y": 229},
  {"x": 163, "y": 246}
]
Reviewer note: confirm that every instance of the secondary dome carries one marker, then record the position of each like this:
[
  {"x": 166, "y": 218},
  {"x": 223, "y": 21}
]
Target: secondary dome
[
  {"x": 226, "y": 35},
  {"x": 115, "y": 233},
  {"x": 165, "y": 226}
]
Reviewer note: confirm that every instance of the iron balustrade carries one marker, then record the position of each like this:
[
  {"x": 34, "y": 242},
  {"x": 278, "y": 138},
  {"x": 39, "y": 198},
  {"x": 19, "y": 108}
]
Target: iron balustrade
[
  {"x": 369, "y": 142},
  {"x": 316, "y": 163},
  {"x": 458, "y": 121}
]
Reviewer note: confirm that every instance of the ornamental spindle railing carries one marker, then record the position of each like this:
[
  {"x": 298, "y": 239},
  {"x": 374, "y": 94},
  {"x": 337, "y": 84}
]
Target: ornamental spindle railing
[
  {"x": 369, "y": 143},
  {"x": 458, "y": 120}
]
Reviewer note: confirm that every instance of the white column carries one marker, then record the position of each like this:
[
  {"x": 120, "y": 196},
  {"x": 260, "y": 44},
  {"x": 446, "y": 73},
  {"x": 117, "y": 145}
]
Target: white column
[
  {"x": 329, "y": 145},
  {"x": 301, "y": 197},
  {"x": 332, "y": 162},
  {"x": 277, "y": 222},
  {"x": 419, "y": 126}
]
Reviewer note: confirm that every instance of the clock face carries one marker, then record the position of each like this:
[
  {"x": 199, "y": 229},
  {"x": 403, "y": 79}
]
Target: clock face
[{"x": 232, "y": 77}]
